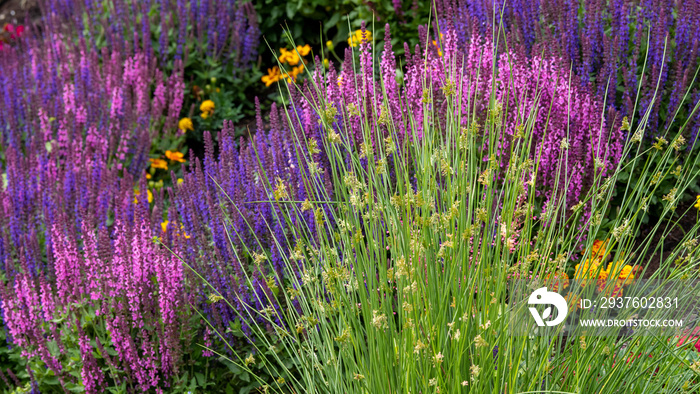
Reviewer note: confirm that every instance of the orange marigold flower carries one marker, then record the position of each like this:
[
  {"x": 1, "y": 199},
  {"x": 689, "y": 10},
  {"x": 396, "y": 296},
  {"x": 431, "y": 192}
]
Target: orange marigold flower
[
  {"x": 289, "y": 57},
  {"x": 159, "y": 163},
  {"x": 175, "y": 156},
  {"x": 303, "y": 50},
  {"x": 273, "y": 75}
]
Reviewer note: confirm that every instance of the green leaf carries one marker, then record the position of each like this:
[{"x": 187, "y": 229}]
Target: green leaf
[
  {"x": 245, "y": 376},
  {"x": 291, "y": 10},
  {"x": 231, "y": 366},
  {"x": 76, "y": 388},
  {"x": 333, "y": 22}
]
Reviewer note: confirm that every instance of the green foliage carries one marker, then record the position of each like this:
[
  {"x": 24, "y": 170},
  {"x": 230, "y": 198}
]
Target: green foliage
[{"x": 335, "y": 20}]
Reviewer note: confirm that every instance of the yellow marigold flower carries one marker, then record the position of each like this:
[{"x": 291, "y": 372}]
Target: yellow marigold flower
[
  {"x": 586, "y": 269},
  {"x": 627, "y": 274},
  {"x": 164, "y": 225},
  {"x": 303, "y": 50},
  {"x": 697, "y": 202},
  {"x": 356, "y": 38},
  {"x": 273, "y": 75},
  {"x": 204, "y": 115},
  {"x": 207, "y": 106},
  {"x": 185, "y": 124},
  {"x": 175, "y": 156},
  {"x": 598, "y": 249},
  {"x": 148, "y": 176},
  {"x": 159, "y": 163}
]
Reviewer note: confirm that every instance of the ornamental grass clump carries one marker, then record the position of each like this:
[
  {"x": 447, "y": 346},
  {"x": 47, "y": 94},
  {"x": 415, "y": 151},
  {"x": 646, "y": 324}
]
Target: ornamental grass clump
[{"x": 405, "y": 282}]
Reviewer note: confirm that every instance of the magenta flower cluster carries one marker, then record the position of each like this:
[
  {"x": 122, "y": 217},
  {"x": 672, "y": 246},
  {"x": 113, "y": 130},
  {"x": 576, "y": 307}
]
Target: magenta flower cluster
[
  {"x": 606, "y": 43},
  {"x": 117, "y": 283}
]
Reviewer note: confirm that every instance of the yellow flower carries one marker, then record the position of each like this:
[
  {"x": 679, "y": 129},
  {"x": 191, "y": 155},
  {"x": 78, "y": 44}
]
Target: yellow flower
[
  {"x": 207, "y": 106},
  {"x": 138, "y": 193},
  {"x": 148, "y": 176},
  {"x": 184, "y": 234},
  {"x": 164, "y": 225},
  {"x": 179, "y": 181},
  {"x": 326, "y": 63},
  {"x": 273, "y": 75},
  {"x": 185, "y": 124},
  {"x": 697, "y": 202},
  {"x": 174, "y": 156},
  {"x": 329, "y": 45},
  {"x": 598, "y": 249},
  {"x": 204, "y": 115},
  {"x": 159, "y": 163},
  {"x": 627, "y": 274},
  {"x": 357, "y": 39},
  {"x": 303, "y": 50},
  {"x": 438, "y": 48},
  {"x": 586, "y": 269}
]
